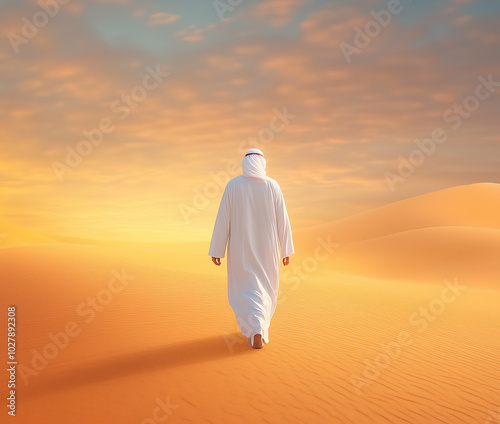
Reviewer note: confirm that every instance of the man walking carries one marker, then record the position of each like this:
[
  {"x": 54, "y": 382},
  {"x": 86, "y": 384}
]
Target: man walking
[{"x": 253, "y": 221}]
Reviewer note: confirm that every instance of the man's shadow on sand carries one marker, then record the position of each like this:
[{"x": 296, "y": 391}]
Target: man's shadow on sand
[{"x": 171, "y": 356}]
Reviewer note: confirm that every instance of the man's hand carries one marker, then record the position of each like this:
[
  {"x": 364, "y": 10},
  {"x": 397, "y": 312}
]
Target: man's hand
[
  {"x": 216, "y": 261},
  {"x": 286, "y": 260}
]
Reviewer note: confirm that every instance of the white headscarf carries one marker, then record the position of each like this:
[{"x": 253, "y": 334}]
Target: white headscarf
[{"x": 254, "y": 165}]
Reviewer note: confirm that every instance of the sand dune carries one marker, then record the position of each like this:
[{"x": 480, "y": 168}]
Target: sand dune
[
  {"x": 425, "y": 254},
  {"x": 398, "y": 324},
  {"x": 475, "y": 205},
  {"x": 445, "y": 234}
]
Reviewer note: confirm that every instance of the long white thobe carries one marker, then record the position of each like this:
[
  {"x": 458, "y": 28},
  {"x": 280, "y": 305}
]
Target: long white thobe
[{"x": 252, "y": 220}]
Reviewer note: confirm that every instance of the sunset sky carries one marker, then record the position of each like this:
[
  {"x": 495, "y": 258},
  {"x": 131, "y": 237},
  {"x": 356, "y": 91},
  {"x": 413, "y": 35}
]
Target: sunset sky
[{"x": 183, "y": 88}]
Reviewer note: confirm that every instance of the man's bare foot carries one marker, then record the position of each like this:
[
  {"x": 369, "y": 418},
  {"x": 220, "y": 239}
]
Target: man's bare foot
[{"x": 257, "y": 341}]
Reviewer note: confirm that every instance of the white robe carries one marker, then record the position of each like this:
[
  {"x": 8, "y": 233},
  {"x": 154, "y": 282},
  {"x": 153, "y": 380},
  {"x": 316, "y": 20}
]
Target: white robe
[{"x": 252, "y": 220}]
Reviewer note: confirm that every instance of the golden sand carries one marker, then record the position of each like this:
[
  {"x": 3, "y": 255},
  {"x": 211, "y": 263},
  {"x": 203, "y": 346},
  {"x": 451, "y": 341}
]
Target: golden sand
[{"x": 391, "y": 316}]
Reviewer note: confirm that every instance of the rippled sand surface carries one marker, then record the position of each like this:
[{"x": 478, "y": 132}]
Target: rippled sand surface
[{"x": 170, "y": 338}]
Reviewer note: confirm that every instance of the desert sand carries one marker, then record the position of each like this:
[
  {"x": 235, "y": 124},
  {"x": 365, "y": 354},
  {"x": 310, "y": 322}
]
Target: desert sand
[{"x": 389, "y": 316}]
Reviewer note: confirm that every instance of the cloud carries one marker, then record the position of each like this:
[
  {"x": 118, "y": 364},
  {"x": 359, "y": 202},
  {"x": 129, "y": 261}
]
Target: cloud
[
  {"x": 192, "y": 33},
  {"x": 162, "y": 18},
  {"x": 277, "y": 12}
]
